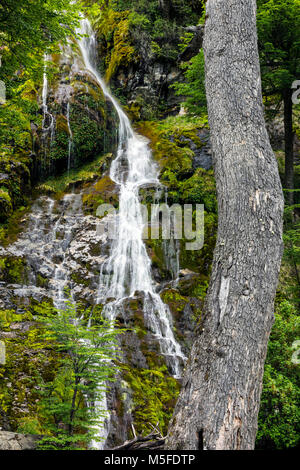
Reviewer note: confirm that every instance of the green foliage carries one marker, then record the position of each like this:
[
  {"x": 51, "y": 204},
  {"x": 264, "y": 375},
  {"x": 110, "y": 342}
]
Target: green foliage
[
  {"x": 127, "y": 26},
  {"x": 29, "y": 425},
  {"x": 278, "y": 425},
  {"x": 154, "y": 397},
  {"x": 193, "y": 87},
  {"x": 278, "y": 23},
  {"x": 28, "y": 29},
  {"x": 86, "y": 364},
  {"x": 279, "y": 413},
  {"x": 291, "y": 239},
  {"x": 13, "y": 269}
]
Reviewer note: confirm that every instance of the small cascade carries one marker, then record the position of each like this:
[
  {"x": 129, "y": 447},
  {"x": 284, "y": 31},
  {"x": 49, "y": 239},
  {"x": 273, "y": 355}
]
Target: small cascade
[
  {"x": 54, "y": 247},
  {"x": 171, "y": 251},
  {"x": 65, "y": 226},
  {"x": 48, "y": 124},
  {"x": 70, "y": 144},
  {"x": 46, "y": 244}
]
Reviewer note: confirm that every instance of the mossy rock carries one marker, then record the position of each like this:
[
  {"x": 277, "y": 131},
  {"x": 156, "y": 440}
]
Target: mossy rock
[
  {"x": 156, "y": 254},
  {"x": 13, "y": 269},
  {"x": 79, "y": 278},
  {"x": 62, "y": 124},
  {"x": 27, "y": 355},
  {"x": 104, "y": 191},
  {"x": 14, "y": 184},
  {"x": 154, "y": 394},
  {"x": 175, "y": 300},
  {"x": 6, "y": 206}
]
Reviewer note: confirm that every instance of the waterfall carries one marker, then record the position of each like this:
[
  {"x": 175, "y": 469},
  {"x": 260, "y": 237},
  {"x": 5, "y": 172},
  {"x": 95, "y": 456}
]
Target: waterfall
[
  {"x": 129, "y": 263},
  {"x": 58, "y": 234},
  {"x": 70, "y": 144}
]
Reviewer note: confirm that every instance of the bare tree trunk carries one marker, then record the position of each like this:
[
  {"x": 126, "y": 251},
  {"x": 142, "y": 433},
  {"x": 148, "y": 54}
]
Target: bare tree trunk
[
  {"x": 288, "y": 144},
  {"x": 219, "y": 401}
]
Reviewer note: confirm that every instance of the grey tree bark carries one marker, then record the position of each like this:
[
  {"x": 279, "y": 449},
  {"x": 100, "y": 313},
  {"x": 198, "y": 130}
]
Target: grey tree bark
[{"x": 219, "y": 401}]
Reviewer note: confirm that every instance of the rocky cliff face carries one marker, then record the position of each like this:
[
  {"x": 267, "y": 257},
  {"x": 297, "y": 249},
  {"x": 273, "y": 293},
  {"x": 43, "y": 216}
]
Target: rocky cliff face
[
  {"x": 78, "y": 122},
  {"x": 146, "y": 82}
]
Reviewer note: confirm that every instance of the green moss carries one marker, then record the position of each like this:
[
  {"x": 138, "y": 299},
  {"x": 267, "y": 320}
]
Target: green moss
[
  {"x": 115, "y": 39},
  {"x": 41, "y": 281},
  {"x": 122, "y": 52},
  {"x": 62, "y": 124},
  {"x": 80, "y": 176},
  {"x": 155, "y": 251},
  {"x": 6, "y": 207},
  {"x": 90, "y": 126},
  {"x": 176, "y": 301},
  {"x": 154, "y": 394},
  {"x": 103, "y": 191},
  {"x": 170, "y": 141},
  {"x": 10, "y": 230},
  {"x": 29, "y": 425},
  {"x": 13, "y": 270},
  {"x": 27, "y": 355},
  {"x": 76, "y": 277}
]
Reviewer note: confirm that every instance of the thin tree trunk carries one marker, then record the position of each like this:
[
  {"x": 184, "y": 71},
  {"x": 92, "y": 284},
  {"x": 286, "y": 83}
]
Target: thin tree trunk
[
  {"x": 73, "y": 406},
  {"x": 288, "y": 146},
  {"x": 219, "y": 401}
]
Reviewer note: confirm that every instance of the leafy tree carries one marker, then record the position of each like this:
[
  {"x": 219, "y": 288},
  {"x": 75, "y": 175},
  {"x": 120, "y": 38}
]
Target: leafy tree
[
  {"x": 87, "y": 351},
  {"x": 292, "y": 251},
  {"x": 278, "y": 23},
  {"x": 30, "y": 28},
  {"x": 278, "y": 424}
]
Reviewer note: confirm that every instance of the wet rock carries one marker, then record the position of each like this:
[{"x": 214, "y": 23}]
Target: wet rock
[{"x": 203, "y": 155}]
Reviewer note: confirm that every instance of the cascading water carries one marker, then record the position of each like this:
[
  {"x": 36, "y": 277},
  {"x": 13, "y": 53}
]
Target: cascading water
[
  {"x": 70, "y": 144},
  {"x": 48, "y": 124},
  {"x": 128, "y": 266},
  {"x": 129, "y": 263}
]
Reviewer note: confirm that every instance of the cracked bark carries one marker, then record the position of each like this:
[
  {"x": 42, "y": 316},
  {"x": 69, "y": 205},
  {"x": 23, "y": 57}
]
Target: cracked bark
[{"x": 219, "y": 401}]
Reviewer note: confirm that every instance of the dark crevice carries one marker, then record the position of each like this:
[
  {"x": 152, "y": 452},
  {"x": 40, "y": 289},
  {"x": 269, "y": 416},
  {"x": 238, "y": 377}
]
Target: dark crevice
[{"x": 200, "y": 439}]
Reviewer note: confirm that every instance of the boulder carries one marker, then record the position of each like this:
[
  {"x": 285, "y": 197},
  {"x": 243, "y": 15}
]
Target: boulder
[{"x": 15, "y": 441}]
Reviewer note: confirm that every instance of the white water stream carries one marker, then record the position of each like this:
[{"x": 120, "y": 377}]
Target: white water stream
[
  {"x": 70, "y": 144},
  {"x": 129, "y": 263},
  {"x": 48, "y": 124}
]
